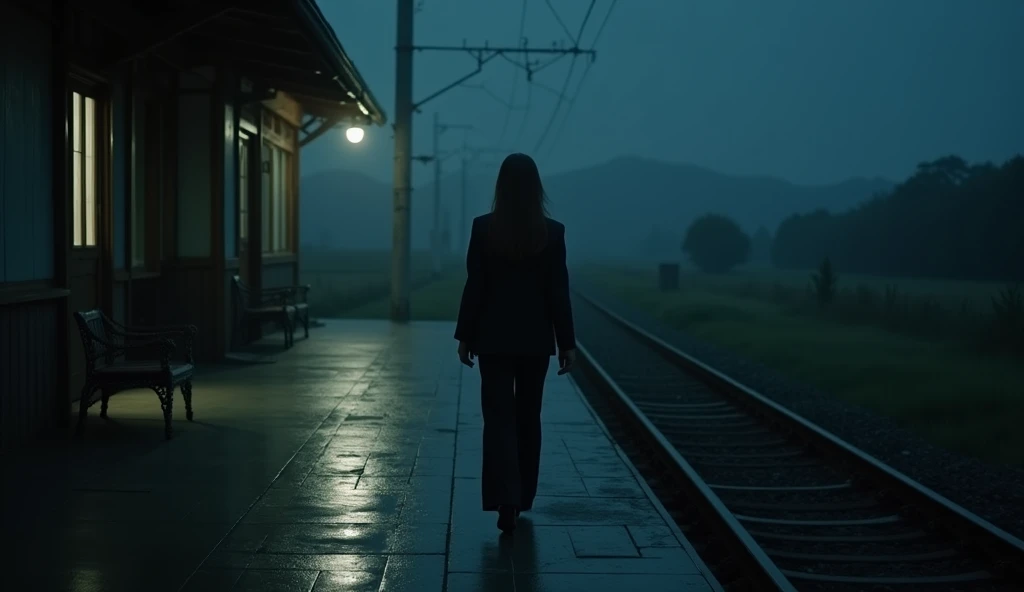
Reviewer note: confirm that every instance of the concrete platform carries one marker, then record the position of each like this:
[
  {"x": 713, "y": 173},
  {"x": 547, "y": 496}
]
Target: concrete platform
[{"x": 352, "y": 462}]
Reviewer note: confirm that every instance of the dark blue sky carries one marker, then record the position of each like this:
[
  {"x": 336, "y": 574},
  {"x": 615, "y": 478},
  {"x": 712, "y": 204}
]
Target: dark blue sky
[{"x": 809, "y": 90}]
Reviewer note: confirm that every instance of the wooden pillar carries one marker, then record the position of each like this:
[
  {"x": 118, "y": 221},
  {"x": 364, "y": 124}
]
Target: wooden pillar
[
  {"x": 256, "y": 206},
  {"x": 169, "y": 207},
  {"x": 61, "y": 218},
  {"x": 296, "y": 227},
  {"x": 296, "y": 243},
  {"x": 128, "y": 137},
  {"x": 219, "y": 100}
]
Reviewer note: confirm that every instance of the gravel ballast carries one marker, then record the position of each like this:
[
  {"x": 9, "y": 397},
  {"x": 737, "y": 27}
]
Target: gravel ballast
[{"x": 993, "y": 492}]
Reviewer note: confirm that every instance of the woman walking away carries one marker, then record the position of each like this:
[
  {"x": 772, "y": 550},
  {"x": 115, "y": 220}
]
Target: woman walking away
[{"x": 515, "y": 309}]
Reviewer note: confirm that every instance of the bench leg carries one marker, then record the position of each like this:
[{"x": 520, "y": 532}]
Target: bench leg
[
  {"x": 104, "y": 399},
  {"x": 305, "y": 324},
  {"x": 186, "y": 393},
  {"x": 288, "y": 324},
  {"x": 83, "y": 408},
  {"x": 166, "y": 396}
]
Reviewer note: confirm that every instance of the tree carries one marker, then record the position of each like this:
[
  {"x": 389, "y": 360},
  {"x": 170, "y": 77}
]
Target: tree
[
  {"x": 761, "y": 246},
  {"x": 950, "y": 219},
  {"x": 716, "y": 244}
]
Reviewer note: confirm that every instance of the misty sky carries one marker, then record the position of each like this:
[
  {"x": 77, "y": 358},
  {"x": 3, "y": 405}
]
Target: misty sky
[{"x": 813, "y": 91}]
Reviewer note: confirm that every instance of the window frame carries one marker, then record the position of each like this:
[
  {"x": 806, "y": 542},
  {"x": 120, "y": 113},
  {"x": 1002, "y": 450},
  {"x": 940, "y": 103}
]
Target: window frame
[
  {"x": 246, "y": 140},
  {"x": 279, "y": 140},
  {"x": 79, "y": 88}
]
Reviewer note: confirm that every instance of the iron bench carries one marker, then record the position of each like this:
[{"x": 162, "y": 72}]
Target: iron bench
[
  {"x": 280, "y": 305},
  {"x": 297, "y": 297},
  {"x": 106, "y": 344}
]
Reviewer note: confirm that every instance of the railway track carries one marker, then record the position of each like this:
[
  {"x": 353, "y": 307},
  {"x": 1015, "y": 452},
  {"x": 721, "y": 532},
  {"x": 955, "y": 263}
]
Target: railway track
[{"x": 773, "y": 501}]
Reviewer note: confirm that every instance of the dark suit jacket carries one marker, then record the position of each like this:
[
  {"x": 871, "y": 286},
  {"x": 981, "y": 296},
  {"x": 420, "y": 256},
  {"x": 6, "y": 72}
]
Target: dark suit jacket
[{"x": 516, "y": 307}]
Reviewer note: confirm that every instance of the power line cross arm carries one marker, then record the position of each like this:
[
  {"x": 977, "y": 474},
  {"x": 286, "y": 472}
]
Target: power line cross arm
[{"x": 485, "y": 54}]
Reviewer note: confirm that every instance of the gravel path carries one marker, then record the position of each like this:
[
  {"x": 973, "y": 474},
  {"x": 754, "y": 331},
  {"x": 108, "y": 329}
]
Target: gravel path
[{"x": 993, "y": 492}]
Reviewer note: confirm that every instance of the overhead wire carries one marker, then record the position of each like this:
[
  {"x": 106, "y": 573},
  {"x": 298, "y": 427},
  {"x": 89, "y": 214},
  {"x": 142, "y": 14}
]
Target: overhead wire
[
  {"x": 558, "y": 107},
  {"x": 515, "y": 79},
  {"x": 571, "y": 103},
  {"x": 559, "y": 19},
  {"x": 583, "y": 25},
  {"x": 526, "y": 114},
  {"x": 583, "y": 77}
]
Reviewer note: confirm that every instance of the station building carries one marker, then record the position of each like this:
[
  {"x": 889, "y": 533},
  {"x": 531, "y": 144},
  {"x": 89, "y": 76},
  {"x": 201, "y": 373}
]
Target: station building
[{"x": 149, "y": 153}]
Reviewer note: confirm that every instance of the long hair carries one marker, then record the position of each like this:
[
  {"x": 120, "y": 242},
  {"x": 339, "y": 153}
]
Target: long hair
[{"x": 519, "y": 221}]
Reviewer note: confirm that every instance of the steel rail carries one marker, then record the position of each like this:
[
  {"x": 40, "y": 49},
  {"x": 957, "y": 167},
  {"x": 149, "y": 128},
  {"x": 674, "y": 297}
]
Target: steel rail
[
  {"x": 1003, "y": 551},
  {"x": 757, "y": 566}
]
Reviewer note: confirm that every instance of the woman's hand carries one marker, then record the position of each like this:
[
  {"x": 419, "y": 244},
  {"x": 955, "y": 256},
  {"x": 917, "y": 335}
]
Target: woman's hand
[
  {"x": 465, "y": 355},
  {"x": 566, "y": 360}
]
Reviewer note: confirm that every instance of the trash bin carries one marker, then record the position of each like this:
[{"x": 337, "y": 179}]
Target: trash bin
[{"x": 668, "y": 277}]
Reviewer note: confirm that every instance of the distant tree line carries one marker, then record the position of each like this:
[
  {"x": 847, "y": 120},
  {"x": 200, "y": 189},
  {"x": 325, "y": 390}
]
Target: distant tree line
[{"x": 950, "y": 219}]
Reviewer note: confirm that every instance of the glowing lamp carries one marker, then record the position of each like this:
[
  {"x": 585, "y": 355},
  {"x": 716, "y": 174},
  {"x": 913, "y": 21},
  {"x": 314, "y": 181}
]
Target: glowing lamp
[{"x": 354, "y": 134}]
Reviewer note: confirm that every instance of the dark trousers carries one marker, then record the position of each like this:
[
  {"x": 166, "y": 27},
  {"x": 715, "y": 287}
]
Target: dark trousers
[{"x": 511, "y": 393}]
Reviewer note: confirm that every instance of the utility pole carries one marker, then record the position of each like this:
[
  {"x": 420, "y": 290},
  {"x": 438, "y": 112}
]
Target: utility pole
[
  {"x": 404, "y": 109},
  {"x": 401, "y": 233},
  {"x": 470, "y": 154},
  {"x": 446, "y": 232},
  {"x": 462, "y": 206},
  {"x": 435, "y": 242},
  {"x": 435, "y": 230}
]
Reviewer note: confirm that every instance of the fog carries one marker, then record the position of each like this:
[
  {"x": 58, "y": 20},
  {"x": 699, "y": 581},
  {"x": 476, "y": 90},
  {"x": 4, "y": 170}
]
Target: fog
[
  {"x": 758, "y": 111},
  {"x": 821, "y": 200}
]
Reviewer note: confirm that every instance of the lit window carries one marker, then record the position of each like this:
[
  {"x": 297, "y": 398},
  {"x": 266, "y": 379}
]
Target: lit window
[
  {"x": 276, "y": 212},
  {"x": 83, "y": 157},
  {"x": 243, "y": 188}
]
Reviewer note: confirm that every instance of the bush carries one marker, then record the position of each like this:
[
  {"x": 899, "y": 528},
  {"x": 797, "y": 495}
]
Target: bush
[
  {"x": 1008, "y": 318},
  {"x": 716, "y": 244}
]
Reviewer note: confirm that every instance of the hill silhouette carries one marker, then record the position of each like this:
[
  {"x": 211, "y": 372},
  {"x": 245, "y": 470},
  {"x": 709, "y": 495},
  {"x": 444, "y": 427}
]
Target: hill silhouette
[{"x": 624, "y": 208}]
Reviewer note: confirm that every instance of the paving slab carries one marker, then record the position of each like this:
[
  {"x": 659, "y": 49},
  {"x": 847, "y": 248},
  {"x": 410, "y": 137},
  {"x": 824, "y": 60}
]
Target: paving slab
[{"x": 349, "y": 462}]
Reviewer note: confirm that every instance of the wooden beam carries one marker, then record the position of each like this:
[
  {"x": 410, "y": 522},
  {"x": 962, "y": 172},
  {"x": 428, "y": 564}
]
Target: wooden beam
[
  {"x": 325, "y": 126},
  {"x": 120, "y": 25},
  {"x": 295, "y": 88},
  {"x": 235, "y": 22},
  {"x": 271, "y": 12},
  {"x": 324, "y": 84},
  {"x": 218, "y": 40},
  {"x": 160, "y": 33},
  {"x": 320, "y": 107}
]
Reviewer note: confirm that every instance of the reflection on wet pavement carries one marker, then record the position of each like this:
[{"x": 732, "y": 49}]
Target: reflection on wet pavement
[{"x": 351, "y": 463}]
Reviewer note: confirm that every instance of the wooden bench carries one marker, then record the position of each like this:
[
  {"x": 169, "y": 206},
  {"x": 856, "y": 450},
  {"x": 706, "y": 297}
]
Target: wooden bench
[
  {"x": 284, "y": 306},
  {"x": 106, "y": 342}
]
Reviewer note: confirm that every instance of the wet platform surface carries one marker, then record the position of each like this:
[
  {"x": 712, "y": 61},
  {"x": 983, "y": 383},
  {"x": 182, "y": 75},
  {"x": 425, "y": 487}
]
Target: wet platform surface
[{"x": 350, "y": 463}]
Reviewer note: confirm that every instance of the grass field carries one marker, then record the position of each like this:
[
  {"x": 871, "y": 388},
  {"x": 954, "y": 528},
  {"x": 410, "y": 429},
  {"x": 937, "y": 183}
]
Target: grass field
[
  {"x": 343, "y": 280},
  {"x": 946, "y": 391},
  {"x": 436, "y": 301},
  {"x": 946, "y": 293},
  {"x": 988, "y": 316},
  {"x": 942, "y": 388}
]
